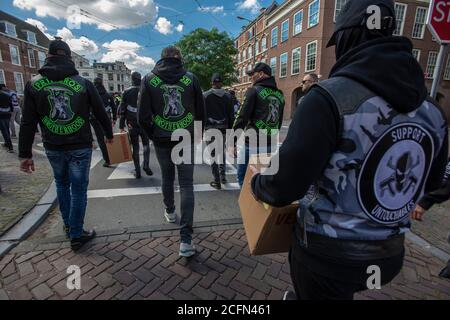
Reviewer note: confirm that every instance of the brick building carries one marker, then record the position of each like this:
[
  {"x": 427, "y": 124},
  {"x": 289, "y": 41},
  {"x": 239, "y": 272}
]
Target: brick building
[
  {"x": 292, "y": 37},
  {"x": 23, "y": 49}
]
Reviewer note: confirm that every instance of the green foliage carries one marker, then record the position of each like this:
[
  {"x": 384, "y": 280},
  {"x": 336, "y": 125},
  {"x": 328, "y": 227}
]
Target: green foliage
[{"x": 207, "y": 52}]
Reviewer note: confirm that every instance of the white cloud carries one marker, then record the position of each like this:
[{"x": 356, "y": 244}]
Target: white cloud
[
  {"x": 180, "y": 27},
  {"x": 40, "y": 25},
  {"x": 213, "y": 9},
  {"x": 251, "y": 5},
  {"x": 81, "y": 45},
  {"x": 105, "y": 14},
  {"x": 166, "y": 27},
  {"x": 127, "y": 51}
]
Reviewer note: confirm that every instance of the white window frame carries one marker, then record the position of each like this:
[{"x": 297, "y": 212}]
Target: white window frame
[
  {"x": 264, "y": 44},
  {"x": 340, "y": 8},
  {"x": 14, "y": 34},
  {"x": 1, "y": 57},
  {"x": 281, "y": 64},
  {"x": 274, "y": 72},
  {"x": 423, "y": 24},
  {"x": 41, "y": 54},
  {"x": 402, "y": 24},
  {"x": 431, "y": 54},
  {"x": 19, "y": 92},
  {"x": 299, "y": 49},
  {"x": 307, "y": 56},
  {"x": 285, "y": 23},
  {"x": 447, "y": 69},
  {"x": 34, "y": 37},
  {"x": 250, "y": 52},
  {"x": 18, "y": 54},
  {"x": 309, "y": 14},
  {"x": 31, "y": 58},
  {"x": 257, "y": 47},
  {"x": 2, "y": 72},
  {"x": 294, "y": 25},
  {"x": 419, "y": 52},
  {"x": 272, "y": 37}
]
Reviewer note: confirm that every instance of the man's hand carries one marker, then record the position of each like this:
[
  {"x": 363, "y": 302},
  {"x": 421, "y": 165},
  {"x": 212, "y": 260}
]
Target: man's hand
[
  {"x": 418, "y": 213},
  {"x": 27, "y": 166},
  {"x": 109, "y": 141}
]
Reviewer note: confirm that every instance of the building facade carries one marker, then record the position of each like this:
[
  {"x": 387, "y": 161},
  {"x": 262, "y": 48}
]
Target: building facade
[
  {"x": 292, "y": 38},
  {"x": 23, "y": 50},
  {"x": 116, "y": 76}
]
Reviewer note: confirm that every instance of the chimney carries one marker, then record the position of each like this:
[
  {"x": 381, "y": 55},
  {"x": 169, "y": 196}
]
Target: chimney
[{"x": 262, "y": 10}]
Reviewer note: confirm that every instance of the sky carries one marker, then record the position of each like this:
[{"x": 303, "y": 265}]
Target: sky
[{"x": 132, "y": 31}]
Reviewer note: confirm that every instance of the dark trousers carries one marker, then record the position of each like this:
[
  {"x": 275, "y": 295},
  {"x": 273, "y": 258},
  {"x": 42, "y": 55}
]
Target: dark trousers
[
  {"x": 135, "y": 133},
  {"x": 100, "y": 134},
  {"x": 336, "y": 280},
  {"x": 4, "y": 128},
  {"x": 186, "y": 181},
  {"x": 218, "y": 166}
]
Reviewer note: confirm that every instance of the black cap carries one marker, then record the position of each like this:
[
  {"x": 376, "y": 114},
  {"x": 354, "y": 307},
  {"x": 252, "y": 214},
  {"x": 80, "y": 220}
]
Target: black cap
[
  {"x": 260, "y": 66},
  {"x": 216, "y": 78},
  {"x": 59, "y": 48},
  {"x": 354, "y": 14}
]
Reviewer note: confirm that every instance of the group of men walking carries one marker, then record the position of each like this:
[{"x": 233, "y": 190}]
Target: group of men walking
[
  {"x": 10, "y": 113},
  {"x": 362, "y": 149}
]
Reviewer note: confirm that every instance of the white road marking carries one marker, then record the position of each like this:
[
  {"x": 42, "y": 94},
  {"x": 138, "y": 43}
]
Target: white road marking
[{"x": 114, "y": 193}]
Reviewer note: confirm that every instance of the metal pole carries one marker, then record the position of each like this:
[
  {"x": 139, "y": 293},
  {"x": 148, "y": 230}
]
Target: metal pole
[{"x": 438, "y": 70}]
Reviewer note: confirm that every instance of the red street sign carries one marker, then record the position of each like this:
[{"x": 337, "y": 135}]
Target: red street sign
[{"x": 439, "y": 20}]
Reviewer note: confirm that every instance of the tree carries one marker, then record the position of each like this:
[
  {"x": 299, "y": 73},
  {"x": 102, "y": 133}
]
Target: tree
[{"x": 207, "y": 52}]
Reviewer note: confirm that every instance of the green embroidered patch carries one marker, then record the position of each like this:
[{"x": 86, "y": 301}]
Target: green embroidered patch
[
  {"x": 186, "y": 81},
  {"x": 155, "y": 82},
  {"x": 266, "y": 128},
  {"x": 69, "y": 82},
  {"x": 270, "y": 92},
  {"x": 171, "y": 125},
  {"x": 63, "y": 130}
]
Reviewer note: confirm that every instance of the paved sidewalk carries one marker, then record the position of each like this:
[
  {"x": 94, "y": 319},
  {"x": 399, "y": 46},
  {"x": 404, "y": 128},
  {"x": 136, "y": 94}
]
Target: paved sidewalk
[
  {"x": 147, "y": 266},
  {"x": 20, "y": 191}
]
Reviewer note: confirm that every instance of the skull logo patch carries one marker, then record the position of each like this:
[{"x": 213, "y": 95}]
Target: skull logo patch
[{"x": 394, "y": 173}]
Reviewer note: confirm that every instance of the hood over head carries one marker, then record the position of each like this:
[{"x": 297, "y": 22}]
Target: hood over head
[
  {"x": 387, "y": 67},
  {"x": 267, "y": 82},
  {"x": 58, "y": 68},
  {"x": 219, "y": 92},
  {"x": 170, "y": 70}
]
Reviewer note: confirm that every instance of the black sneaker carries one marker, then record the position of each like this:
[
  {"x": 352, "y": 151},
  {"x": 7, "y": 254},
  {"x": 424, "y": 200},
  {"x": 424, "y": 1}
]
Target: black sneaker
[
  {"x": 445, "y": 273},
  {"x": 66, "y": 230},
  {"x": 137, "y": 175},
  {"x": 148, "y": 171},
  {"x": 10, "y": 151},
  {"x": 78, "y": 243},
  {"x": 223, "y": 180},
  {"x": 106, "y": 164},
  {"x": 216, "y": 185}
]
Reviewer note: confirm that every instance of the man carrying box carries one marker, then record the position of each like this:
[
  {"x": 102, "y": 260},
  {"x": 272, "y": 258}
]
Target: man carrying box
[
  {"x": 60, "y": 101},
  {"x": 372, "y": 142}
]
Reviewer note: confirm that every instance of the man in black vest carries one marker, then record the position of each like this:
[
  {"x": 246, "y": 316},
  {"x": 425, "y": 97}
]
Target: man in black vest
[
  {"x": 371, "y": 142},
  {"x": 128, "y": 115},
  {"x": 61, "y": 101},
  {"x": 171, "y": 98}
]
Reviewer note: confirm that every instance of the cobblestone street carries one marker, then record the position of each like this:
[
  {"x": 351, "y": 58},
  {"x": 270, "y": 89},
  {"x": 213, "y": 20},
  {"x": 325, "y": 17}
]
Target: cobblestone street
[{"x": 146, "y": 266}]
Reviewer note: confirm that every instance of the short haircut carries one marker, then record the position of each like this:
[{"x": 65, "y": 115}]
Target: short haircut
[
  {"x": 314, "y": 77},
  {"x": 171, "y": 52}
]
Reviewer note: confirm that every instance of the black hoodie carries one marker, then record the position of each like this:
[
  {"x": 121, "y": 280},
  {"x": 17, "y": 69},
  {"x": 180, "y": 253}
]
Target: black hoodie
[
  {"x": 60, "y": 101},
  {"x": 128, "y": 106},
  {"x": 387, "y": 67},
  {"x": 170, "y": 98},
  {"x": 108, "y": 101},
  {"x": 263, "y": 108}
]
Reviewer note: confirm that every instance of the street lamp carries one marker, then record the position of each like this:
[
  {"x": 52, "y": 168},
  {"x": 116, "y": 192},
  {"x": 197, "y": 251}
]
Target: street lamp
[{"x": 254, "y": 39}]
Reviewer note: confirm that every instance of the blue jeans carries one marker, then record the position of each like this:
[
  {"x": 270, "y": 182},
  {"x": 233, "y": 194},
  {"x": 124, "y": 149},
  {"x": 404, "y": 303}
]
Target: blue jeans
[
  {"x": 242, "y": 168},
  {"x": 71, "y": 171}
]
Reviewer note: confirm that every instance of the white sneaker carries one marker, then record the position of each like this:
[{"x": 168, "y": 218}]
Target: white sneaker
[
  {"x": 170, "y": 217},
  {"x": 187, "y": 250},
  {"x": 289, "y": 295}
]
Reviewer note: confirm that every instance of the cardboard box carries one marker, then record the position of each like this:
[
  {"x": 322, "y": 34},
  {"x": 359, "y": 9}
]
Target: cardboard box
[
  {"x": 120, "y": 150},
  {"x": 268, "y": 229}
]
